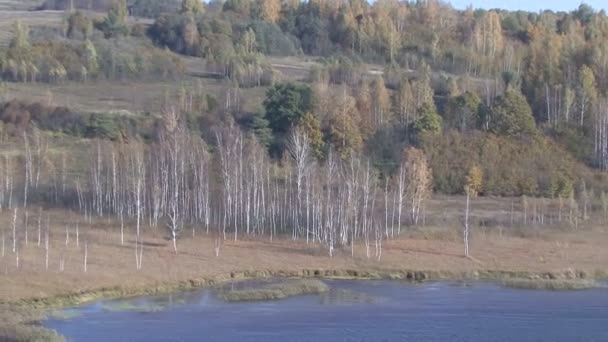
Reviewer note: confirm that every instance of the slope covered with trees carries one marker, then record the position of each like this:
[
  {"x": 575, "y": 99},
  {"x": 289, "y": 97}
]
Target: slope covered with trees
[{"x": 403, "y": 100}]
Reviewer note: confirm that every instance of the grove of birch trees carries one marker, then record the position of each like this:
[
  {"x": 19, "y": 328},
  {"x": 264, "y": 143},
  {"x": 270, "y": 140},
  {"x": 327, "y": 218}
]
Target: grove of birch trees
[{"x": 179, "y": 184}]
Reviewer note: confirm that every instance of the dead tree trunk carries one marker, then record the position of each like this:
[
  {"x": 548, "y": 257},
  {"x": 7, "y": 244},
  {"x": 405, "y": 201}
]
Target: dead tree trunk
[{"x": 466, "y": 226}]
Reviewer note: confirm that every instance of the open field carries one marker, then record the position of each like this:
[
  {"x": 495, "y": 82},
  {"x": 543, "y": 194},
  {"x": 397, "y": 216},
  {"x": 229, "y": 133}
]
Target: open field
[
  {"x": 34, "y": 19},
  {"x": 15, "y": 5},
  {"x": 103, "y": 96}
]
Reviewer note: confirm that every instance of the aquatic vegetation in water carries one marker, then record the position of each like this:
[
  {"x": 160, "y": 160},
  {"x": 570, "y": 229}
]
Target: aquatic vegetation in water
[
  {"x": 130, "y": 306},
  {"x": 276, "y": 291},
  {"x": 64, "y": 314},
  {"x": 551, "y": 284}
]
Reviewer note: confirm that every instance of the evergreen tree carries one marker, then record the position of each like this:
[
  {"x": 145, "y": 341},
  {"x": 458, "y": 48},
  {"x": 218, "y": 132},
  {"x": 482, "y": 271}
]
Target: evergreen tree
[
  {"x": 115, "y": 23},
  {"x": 462, "y": 112},
  {"x": 286, "y": 104},
  {"x": 260, "y": 127},
  {"x": 512, "y": 115},
  {"x": 428, "y": 120}
]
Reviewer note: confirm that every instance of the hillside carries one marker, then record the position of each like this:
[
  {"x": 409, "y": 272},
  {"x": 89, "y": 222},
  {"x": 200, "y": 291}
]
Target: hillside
[{"x": 395, "y": 87}]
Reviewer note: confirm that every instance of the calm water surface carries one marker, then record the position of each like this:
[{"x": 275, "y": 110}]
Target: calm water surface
[{"x": 352, "y": 311}]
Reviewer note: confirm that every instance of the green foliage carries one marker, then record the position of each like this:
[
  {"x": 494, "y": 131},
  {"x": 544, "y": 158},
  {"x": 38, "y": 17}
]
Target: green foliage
[
  {"x": 575, "y": 140},
  {"x": 102, "y": 126},
  {"x": 344, "y": 135},
  {"x": 512, "y": 116},
  {"x": 462, "y": 112},
  {"x": 248, "y": 43},
  {"x": 55, "y": 61},
  {"x": 59, "y": 119},
  {"x": 286, "y": 104},
  {"x": 564, "y": 187},
  {"x": 19, "y": 46},
  {"x": 584, "y": 13},
  {"x": 313, "y": 30},
  {"x": 115, "y": 23},
  {"x": 250, "y": 70},
  {"x": 212, "y": 103},
  {"x": 242, "y": 7},
  {"x": 91, "y": 58},
  {"x": 168, "y": 31},
  {"x": 384, "y": 148},
  {"x": 312, "y": 127},
  {"x": 509, "y": 78},
  {"x": 428, "y": 122},
  {"x": 260, "y": 127},
  {"x": 193, "y": 7},
  {"x": 587, "y": 91}
]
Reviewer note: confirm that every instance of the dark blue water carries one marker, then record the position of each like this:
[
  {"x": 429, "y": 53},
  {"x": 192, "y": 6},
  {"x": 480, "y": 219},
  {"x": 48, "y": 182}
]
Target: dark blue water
[{"x": 352, "y": 311}]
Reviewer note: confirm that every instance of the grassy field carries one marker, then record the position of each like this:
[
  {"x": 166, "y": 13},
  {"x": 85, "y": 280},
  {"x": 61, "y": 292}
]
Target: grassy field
[
  {"x": 104, "y": 96},
  {"x": 19, "y": 5}
]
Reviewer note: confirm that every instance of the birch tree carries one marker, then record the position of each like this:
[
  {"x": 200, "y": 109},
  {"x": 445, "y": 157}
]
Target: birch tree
[
  {"x": 472, "y": 188},
  {"x": 299, "y": 149},
  {"x": 419, "y": 180}
]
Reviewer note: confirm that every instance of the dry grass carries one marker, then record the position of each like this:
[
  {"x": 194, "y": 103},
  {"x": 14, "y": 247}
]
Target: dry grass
[
  {"x": 134, "y": 96},
  {"x": 19, "y": 5},
  {"x": 33, "y": 19},
  {"x": 111, "y": 264}
]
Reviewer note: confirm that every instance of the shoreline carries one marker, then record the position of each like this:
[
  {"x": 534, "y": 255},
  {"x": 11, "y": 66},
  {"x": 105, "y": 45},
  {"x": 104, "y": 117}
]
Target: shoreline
[
  {"x": 29, "y": 313},
  {"x": 77, "y": 298}
]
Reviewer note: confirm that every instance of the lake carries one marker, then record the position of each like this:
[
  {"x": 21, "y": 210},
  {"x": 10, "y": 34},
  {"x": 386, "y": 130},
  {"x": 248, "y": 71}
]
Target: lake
[{"x": 351, "y": 311}]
